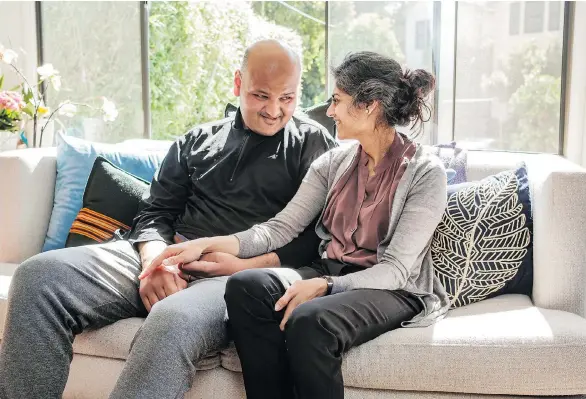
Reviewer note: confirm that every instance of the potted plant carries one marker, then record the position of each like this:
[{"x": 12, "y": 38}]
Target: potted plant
[{"x": 23, "y": 107}]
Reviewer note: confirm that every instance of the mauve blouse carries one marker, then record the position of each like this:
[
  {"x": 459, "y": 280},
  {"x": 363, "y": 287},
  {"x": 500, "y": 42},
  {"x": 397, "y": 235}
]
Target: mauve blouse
[{"x": 358, "y": 211}]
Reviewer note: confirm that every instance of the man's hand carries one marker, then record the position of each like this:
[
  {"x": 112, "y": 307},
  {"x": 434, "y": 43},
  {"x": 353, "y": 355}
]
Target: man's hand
[
  {"x": 149, "y": 250},
  {"x": 159, "y": 285},
  {"x": 191, "y": 251},
  {"x": 163, "y": 282},
  {"x": 214, "y": 264},
  {"x": 299, "y": 292}
]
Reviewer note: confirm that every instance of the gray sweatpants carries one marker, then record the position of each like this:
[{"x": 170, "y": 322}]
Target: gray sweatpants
[{"x": 58, "y": 294}]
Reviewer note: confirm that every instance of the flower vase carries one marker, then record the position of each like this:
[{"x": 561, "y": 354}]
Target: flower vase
[
  {"x": 8, "y": 140},
  {"x": 47, "y": 136}
]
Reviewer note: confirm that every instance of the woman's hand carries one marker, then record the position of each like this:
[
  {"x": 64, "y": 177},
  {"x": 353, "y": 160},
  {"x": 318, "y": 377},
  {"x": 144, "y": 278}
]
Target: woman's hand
[
  {"x": 299, "y": 292},
  {"x": 214, "y": 264},
  {"x": 177, "y": 254}
]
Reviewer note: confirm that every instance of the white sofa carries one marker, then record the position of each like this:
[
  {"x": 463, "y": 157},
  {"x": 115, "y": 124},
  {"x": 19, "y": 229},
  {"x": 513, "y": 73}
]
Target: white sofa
[{"x": 509, "y": 345}]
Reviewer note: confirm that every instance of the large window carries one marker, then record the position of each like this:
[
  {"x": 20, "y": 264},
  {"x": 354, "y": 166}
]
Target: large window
[
  {"x": 508, "y": 87},
  {"x": 398, "y": 29},
  {"x": 95, "y": 46},
  {"x": 196, "y": 47},
  {"x": 498, "y": 88}
]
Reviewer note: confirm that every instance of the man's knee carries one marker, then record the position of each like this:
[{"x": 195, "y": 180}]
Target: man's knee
[
  {"x": 195, "y": 330},
  {"x": 40, "y": 271},
  {"x": 169, "y": 317}
]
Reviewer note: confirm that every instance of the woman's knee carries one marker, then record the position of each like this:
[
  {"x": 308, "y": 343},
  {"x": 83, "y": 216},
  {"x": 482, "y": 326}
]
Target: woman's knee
[
  {"x": 246, "y": 285},
  {"x": 306, "y": 320}
]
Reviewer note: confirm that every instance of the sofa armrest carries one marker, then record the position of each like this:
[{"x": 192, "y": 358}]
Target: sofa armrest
[
  {"x": 27, "y": 179},
  {"x": 559, "y": 224}
]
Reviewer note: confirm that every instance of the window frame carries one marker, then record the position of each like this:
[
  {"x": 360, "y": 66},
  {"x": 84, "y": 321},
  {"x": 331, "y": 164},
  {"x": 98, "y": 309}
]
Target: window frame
[{"x": 442, "y": 37}]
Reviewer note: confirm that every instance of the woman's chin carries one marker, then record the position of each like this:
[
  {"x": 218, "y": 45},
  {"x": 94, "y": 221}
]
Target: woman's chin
[{"x": 341, "y": 135}]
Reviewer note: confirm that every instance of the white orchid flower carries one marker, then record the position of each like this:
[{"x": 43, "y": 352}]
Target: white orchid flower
[
  {"x": 109, "y": 110},
  {"x": 47, "y": 71},
  {"x": 67, "y": 109},
  {"x": 56, "y": 82},
  {"x": 7, "y": 56}
]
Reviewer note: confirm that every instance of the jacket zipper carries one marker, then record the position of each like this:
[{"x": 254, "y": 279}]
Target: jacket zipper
[{"x": 240, "y": 153}]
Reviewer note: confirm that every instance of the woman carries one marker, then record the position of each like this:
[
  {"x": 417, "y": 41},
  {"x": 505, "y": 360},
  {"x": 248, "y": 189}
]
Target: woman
[{"x": 379, "y": 201}]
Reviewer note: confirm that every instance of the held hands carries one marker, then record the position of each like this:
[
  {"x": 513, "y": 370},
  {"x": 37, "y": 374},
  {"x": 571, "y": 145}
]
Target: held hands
[
  {"x": 299, "y": 292},
  {"x": 159, "y": 285},
  {"x": 176, "y": 254},
  {"x": 163, "y": 282},
  {"x": 214, "y": 264}
]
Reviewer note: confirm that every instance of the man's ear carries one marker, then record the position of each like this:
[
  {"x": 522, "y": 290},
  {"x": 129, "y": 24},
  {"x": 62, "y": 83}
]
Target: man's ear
[{"x": 237, "y": 83}]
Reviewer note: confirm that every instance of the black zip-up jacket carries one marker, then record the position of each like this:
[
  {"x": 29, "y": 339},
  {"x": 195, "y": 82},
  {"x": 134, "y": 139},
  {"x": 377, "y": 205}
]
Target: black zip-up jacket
[{"x": 221, "y": 178}]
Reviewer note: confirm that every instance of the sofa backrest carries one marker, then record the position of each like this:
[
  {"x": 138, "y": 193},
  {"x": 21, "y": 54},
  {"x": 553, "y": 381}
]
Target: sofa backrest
[
  {"x": 27, "y": 179},
  {"x": 27, "y": 183}
]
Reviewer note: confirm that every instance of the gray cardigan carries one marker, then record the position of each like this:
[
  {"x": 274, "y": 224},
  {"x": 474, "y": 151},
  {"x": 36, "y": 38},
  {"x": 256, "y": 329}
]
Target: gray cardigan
[{"x": 404, "y": 257}]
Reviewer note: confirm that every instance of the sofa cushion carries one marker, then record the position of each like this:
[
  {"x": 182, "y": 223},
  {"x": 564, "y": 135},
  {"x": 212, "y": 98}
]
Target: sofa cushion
[
  {"x": 483, "y": 246},
  {"x": 110, "y": 202},
  {"x": 75, "y": 158},
  {"x": 503, "y": 345}
]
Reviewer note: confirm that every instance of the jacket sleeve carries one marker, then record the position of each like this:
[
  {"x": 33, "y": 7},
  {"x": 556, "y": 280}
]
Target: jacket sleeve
[
  {"x": 303, "y": 250},
  {"x": 299, "y": 213},
  {"x": 165, "y": 200}
]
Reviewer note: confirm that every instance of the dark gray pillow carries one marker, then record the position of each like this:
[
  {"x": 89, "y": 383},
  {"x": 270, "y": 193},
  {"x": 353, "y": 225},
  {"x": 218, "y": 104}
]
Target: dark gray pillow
[
  {"x": 318, "y": 114},
  {"x": 110, "y": 202}
]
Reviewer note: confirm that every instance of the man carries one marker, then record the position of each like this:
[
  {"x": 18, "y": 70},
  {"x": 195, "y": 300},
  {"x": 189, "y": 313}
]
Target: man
[{"x": 218, "y": 179}]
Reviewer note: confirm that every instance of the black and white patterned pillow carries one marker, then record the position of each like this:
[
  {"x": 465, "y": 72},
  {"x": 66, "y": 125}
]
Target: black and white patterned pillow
[{"x": 483, "y": 246}]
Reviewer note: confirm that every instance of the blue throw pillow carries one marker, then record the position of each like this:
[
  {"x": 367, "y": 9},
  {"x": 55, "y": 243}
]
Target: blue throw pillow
[
  {"x": 454, "y": 158},
  {"x": 483, "y": 246},
  {"x": 75, "y": 159},
  {"x": 450, "y": 174}
]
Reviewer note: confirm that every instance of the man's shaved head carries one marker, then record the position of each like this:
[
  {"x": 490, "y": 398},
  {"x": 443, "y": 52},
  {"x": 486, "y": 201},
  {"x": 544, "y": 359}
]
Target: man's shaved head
[
  {"x": 268, "y": 85},
  {"x": 273, "y": 51}
]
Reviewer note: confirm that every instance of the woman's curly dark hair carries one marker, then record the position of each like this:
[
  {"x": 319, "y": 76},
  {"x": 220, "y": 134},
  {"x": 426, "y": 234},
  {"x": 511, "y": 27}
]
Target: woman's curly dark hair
[{"x": 369, "y": 76}]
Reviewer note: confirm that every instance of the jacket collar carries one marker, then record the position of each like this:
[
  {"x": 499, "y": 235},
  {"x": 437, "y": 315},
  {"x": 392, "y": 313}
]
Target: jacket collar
[{"x": 238, "y": 121}]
